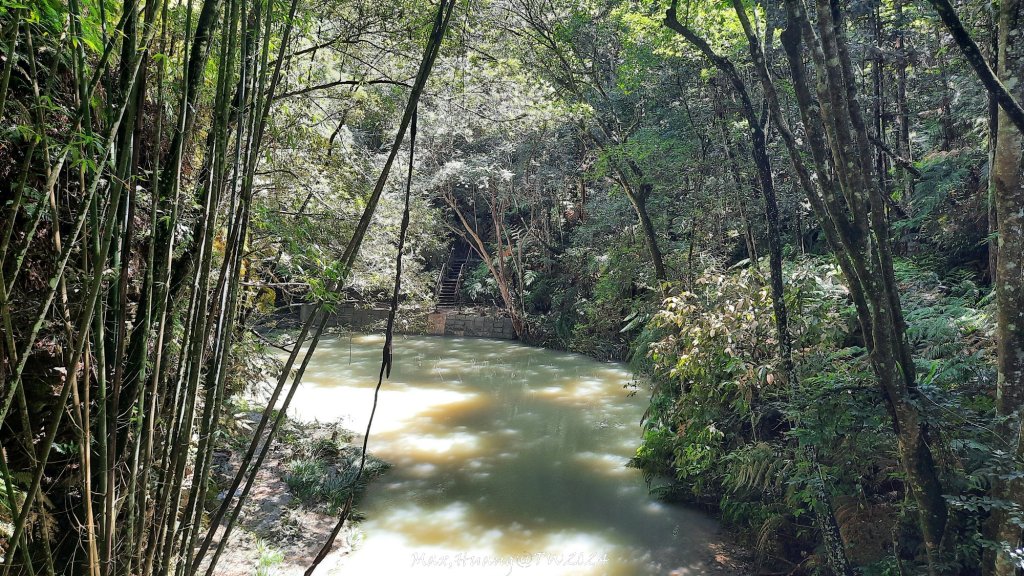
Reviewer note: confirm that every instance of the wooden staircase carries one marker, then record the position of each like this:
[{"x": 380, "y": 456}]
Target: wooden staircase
[{"x": 449, "y": 283}]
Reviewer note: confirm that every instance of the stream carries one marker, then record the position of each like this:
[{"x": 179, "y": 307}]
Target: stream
[{"x": 507, "y": 460}]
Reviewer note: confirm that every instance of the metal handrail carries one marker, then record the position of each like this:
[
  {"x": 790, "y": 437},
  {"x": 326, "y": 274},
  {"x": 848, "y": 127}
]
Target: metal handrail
[{"x": 444, "y": 271}]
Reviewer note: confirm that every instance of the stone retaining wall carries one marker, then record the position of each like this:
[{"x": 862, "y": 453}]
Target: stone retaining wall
[
  {"x": 351, "y": 317},
  {"x": 478, "y": 324},
  {"x": 472, "y": 325}
]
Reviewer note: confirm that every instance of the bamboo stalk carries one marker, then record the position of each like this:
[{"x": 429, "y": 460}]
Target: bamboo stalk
[
  {"x": 12, "y": 505},
  {"x": 51, "y": 173},
  {"x": 12, "y": 41},
  {"x": 445, "y": 11},
  {"x": 145, "y": 430},
  {"x": 84, "y": 322},
  {"x": 227, "y": 291}
]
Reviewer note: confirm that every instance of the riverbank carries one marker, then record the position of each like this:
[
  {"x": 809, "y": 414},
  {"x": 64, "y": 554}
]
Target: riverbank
[{"x": 296, "y": 498}]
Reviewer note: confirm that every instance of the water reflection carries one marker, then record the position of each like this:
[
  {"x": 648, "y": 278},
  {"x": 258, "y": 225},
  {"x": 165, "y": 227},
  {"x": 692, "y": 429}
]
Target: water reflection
[{"x": 508, "y": 460}]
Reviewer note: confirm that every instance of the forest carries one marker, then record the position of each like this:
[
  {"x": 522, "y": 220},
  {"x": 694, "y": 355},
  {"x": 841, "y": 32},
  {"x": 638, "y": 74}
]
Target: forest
[{"x": 800, "y": 223}]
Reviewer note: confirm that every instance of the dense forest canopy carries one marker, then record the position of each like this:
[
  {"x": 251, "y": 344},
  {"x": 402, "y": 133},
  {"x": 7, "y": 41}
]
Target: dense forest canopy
[{"x": 801, "y": 220}]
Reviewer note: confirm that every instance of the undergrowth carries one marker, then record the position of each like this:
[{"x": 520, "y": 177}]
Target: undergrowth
[{"x": 730, "y": 431}]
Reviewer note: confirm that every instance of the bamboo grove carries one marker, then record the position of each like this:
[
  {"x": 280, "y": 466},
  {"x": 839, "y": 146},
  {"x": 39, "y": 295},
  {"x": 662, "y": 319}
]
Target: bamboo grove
[{"x": 125, "y": 230}]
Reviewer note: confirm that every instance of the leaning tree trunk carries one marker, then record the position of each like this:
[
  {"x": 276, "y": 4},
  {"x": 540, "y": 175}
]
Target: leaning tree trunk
[
  {"x": 639, "y": 201},
  {"x": 494, "y": 263},
  {"x": 637, "y": 197}
]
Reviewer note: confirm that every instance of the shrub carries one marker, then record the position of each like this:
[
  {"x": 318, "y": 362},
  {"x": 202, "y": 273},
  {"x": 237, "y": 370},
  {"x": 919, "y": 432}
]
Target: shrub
[{"x": 729, "y": 429}]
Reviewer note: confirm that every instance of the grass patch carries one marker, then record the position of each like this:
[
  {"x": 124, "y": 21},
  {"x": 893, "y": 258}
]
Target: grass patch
[
  {"x": 270, "y": 558},
  {"x": 325, "y": 470}
]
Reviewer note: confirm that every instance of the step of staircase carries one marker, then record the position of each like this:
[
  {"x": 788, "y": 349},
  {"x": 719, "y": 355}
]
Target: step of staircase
[{"x": 449, "y": 285}]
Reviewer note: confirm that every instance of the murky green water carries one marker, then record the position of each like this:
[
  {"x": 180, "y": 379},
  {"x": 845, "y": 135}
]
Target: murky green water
[{"x": 507, "y": 460}]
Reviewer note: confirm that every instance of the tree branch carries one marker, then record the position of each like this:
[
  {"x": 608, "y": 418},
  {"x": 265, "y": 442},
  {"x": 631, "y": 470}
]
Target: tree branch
[
  {"x": 977, "y": 61},
  {"x": 899, "y": 160},
  {"x": 324, "y": 86}
]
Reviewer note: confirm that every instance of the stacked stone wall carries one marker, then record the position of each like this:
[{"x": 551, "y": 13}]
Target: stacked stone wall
[
  {"x": 488, "y": 325},
  {"x": 479, "y": 324}
]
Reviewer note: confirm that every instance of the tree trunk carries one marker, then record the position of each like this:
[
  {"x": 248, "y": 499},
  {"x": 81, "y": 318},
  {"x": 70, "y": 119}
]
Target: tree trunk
[
  {"x": 748, "y": 234},
  {"x": 638, "y": 199},
  {"x": 945, "y": 104},
  {"x": 902, "y": 111},
  {"x": 857, "y": 227},
  {"x": 762, "y": 162},
  {"x": 1008, "y": 189},
  {"x": 639, "y": 202}
]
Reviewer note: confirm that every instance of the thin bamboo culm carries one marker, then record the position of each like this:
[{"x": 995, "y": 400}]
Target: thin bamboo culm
[{"x": 145, "y": 343}]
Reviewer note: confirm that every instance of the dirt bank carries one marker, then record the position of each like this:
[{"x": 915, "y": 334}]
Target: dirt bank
[{"x": 294, "y": 503}]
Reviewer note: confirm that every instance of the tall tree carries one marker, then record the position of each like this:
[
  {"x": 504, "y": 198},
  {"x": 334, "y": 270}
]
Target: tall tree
[
  {"x": 856, "y": 223},
  {"x": 588, "y": 78},
  {"x": 1006, "y": 86},
  {"x": 759, "y": 152},
  {"x": 1008, "y": 188}
]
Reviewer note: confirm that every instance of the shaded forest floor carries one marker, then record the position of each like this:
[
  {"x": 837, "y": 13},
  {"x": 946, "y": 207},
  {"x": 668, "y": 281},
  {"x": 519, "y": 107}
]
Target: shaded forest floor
[{"x": 730, "y": 559}]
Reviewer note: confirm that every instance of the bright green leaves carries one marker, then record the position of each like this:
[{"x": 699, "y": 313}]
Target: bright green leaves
[
  {"x": 647, "y": 45},
  {"x": 98, "y": 19},
  {"x": 51, "y": 15}
]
